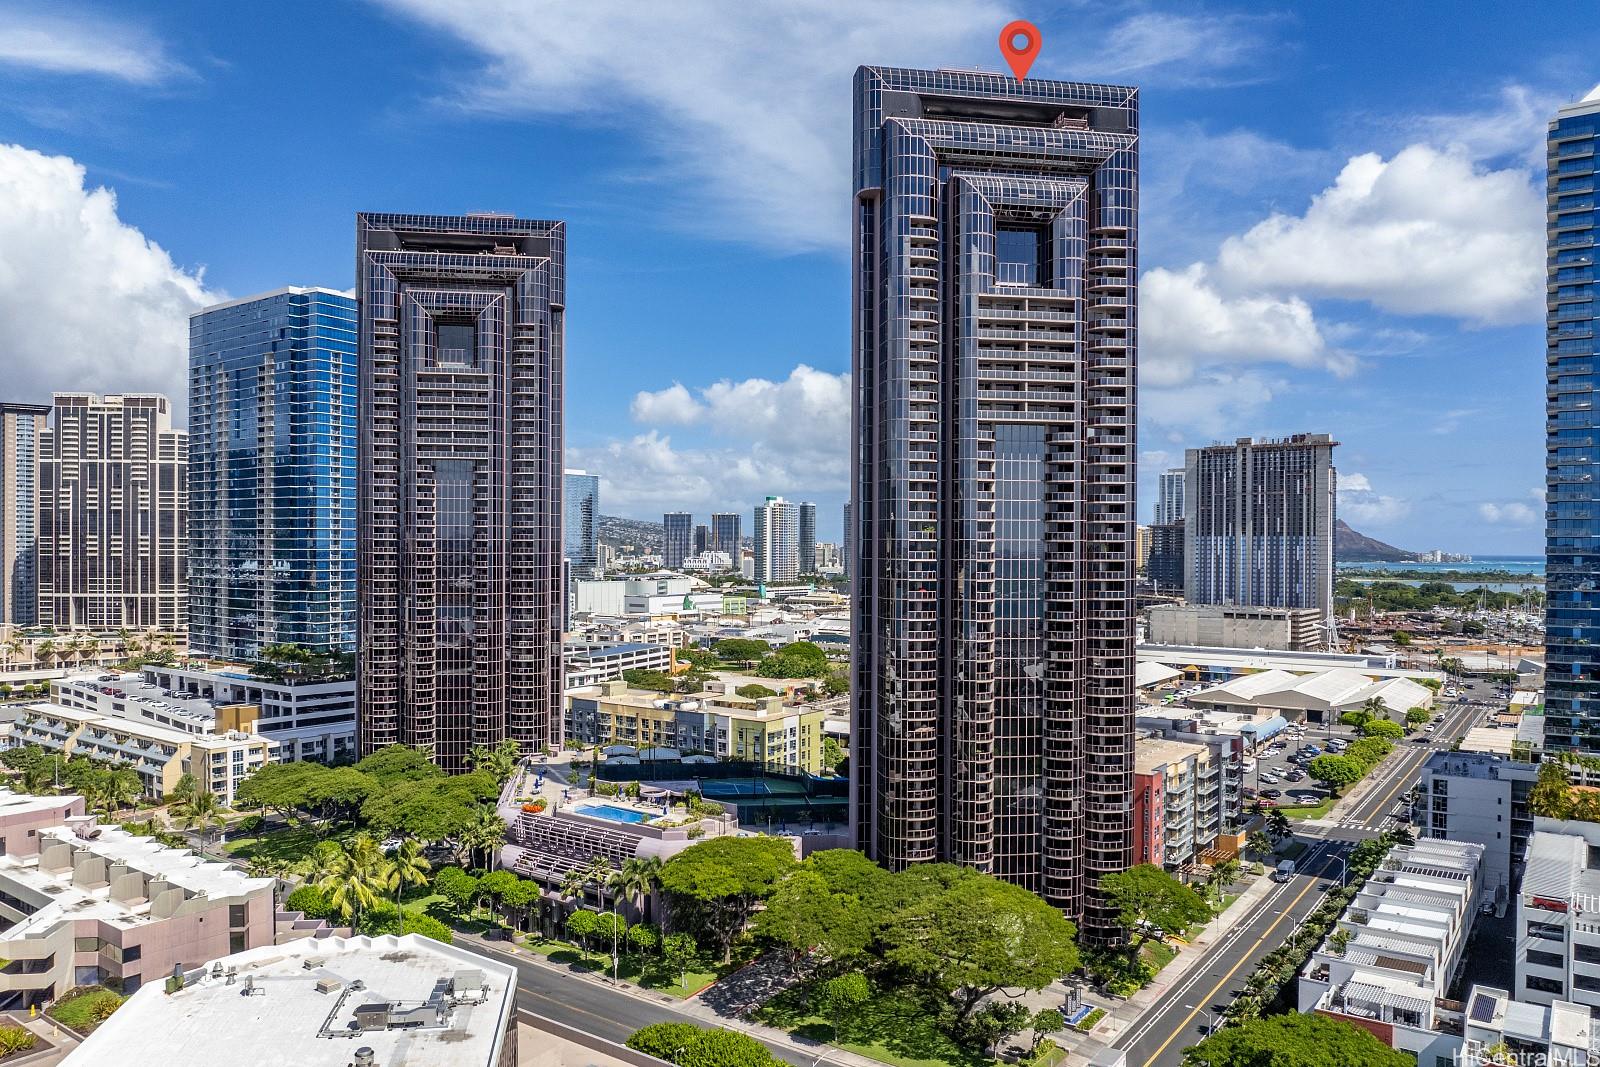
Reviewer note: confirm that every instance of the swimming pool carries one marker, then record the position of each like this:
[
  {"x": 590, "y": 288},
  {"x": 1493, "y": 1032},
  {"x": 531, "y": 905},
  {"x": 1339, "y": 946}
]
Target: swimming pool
[{"x": 612, "y": 812}]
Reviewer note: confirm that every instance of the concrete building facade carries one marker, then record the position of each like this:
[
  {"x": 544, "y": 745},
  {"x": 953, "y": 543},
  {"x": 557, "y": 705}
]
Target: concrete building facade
[
  {"x": 1231, "y": 626},
  {"x": 776, "y": 530},
  {"x": 113, "y": 515},
  {"x": 460, "y": 521},
  {"x": 22, "y": 428},
  {"x": 677, "y": 538},
  {"x": 994, "y": 342},
  {"x": 1258, "y": 524}
]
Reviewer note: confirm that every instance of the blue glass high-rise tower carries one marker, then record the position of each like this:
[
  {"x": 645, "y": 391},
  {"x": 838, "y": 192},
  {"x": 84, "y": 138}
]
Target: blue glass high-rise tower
[
  {"x": 272, "y": 473},
  {"x": 1572, "y": 511},
  {"x": 580, "y": 523}
]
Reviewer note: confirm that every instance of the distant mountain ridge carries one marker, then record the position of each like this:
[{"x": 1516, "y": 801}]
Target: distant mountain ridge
[
  {"x": 619, "y": 532},
  {"x": 1352, "y": 547}
]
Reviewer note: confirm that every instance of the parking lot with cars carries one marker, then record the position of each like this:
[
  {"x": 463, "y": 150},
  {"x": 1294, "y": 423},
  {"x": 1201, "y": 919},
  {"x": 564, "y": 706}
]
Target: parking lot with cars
[{"x": 1279, "y": 776}]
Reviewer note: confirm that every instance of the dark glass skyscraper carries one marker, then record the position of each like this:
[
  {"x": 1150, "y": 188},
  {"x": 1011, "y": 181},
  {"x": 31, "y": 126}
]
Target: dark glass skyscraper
[
  {"x": 994, "y": 351},
  {"x": 726, "y": 536},
  {"x": 459, "y": 559},
  {"x": 1572, "y": 493},
  {"x": 808, "y": 537},
  {"x": 580, "y": 539},
  {"x": 272, "y": 473},
  {"x": 678, "y": 543}
]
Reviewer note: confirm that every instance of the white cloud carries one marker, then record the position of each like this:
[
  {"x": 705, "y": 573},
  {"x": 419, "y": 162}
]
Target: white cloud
[
  {"x": 87, "y": 302},
  {"x": 1215, "y": 404},
  {"x": 748, "y": 105},
  {"x": 757, "y": 436},
  {"x": 1514, "y": 513},
  {"x": 1423, "y": 233},
  {"x": 1358, "y": 501},
  {"x": 672, "y": 406},
  {"x": 1190, "y": 49},
  {"x": 1512, "y": 127},
  {"x": 1187, "y": 323},
  {"x": 82, "y": 45}
]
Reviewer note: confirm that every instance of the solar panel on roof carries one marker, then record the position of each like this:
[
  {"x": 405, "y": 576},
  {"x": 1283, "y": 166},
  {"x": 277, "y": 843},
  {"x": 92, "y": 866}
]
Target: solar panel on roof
[{"x": 1482, "y": 1008}]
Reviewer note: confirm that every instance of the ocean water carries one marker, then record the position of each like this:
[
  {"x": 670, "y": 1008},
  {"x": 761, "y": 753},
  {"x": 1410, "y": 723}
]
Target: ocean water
[{"x": 1533, "y": 565}]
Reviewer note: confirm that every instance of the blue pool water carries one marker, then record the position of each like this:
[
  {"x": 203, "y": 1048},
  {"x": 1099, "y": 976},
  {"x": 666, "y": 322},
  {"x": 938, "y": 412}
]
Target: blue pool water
[{"x": 612, "y": 812}]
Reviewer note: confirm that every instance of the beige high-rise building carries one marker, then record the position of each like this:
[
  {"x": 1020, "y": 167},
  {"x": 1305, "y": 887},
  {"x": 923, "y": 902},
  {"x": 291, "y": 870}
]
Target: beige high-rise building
[
  {"x": 113, "y": 515},
  {"x": 21, "y": 426}
]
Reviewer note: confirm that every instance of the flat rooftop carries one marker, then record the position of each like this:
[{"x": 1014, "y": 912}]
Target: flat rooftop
[
  {"x": 68, "y": 900},
  {"x": 453, "y": 1005}
]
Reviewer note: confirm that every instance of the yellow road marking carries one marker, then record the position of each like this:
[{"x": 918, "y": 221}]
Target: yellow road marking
[{"x": 1184, "y": 1025}]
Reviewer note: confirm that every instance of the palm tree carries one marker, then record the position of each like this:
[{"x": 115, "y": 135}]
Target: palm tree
[
  {"x": 486, "y": 833},
  {"x": 11, "y": 649},
  {"x": 355, "y": 877},
  {"x": 573, "y": 884},
  {"x": 201, "y": 812},
  {"x": 44, "y": 650},
  {"x": 123, "y": 787},
  {"x": 408, "y": 867},
  {"x": 635, "y": 881},
  {"x": 1224, "y": 873}
]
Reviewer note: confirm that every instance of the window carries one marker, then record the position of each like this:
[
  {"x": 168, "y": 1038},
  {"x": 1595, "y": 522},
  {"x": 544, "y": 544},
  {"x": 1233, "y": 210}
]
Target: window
[
  {"x": 1544, "y": 959},
  {"x": 1543, "y": 985},
  {"x": 238, "y": 915},
  {"x": 458, "y": 343},
  {"x": 236, "y": 941},
  {"x": 131, "y": 953},
  {"x": 1021, "y": 257}
]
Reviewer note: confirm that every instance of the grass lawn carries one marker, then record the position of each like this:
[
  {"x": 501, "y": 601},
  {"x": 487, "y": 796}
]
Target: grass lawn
[
  {"x": 893, "y": 1028},
  {"x": 653, "y": 977},
  {"x": 84, "y": 1009},
  {"x": 289, "y": 844},
  {"x": 1310, "y": 811},
  {"x": 1157, "y": 954}
]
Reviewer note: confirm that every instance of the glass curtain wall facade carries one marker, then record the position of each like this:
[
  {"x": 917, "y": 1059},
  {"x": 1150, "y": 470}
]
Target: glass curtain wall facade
[
  {"x": 113, "y": 515},
  {"x": 580, "y": 537},
  {"x": 726, "y": 534},
  {"x": 992, "y": 520},
  {"x": 272, "y": 473},
  {"x": 1169, "y": 497},
  {"x": 808, "y": 537},
  {"x": 460, "y": 512},
  {"x": 21, "y": 428},
  {"x": 1572, "y": 493},
  {"x": 677, "y": 538}
]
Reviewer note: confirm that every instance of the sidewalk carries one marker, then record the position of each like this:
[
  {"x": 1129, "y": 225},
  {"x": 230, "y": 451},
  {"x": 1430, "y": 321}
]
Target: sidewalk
[
  {"x": 692, "y": 1008},
  {"x": 1120, "y": 1015}
]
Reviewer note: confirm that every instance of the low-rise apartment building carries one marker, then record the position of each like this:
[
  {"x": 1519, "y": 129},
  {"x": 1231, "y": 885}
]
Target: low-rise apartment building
[
  {"x": 1500, "y": 1029},
  {"x": 161, "y": 755},
  {"x": 314, "y": 720},
  {"x": 1558, "y": 917},
  {"x": 375, "y": 1001},
  {"x": 1389, "y": 963},
  {"x": 1179, "y": 809},
  {"x": 97, "y": 905},
  {"x": 762, "y": 730},
  {"x": 1481, "y": 798}
]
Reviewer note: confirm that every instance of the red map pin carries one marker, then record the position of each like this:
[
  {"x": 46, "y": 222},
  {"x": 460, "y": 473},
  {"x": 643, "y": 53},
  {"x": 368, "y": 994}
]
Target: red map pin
[{"x": 1020, "y": 58}]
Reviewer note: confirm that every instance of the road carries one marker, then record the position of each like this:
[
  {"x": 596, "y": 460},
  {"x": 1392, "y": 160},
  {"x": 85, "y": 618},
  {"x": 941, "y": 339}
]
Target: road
[
  {"x": 1197, "y": 1001},
  {"x": 599, "y": 1009}
]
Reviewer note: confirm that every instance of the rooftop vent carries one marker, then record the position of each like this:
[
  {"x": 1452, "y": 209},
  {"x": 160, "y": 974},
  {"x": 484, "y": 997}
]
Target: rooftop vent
[
  {"x": 327, "y": 985},
  {"x": 365, "y": 1057},
  {"x": 373, "y": 1016}
]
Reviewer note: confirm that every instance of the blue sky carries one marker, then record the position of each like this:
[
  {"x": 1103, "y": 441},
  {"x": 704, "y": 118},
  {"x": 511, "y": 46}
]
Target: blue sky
[{"x": 1341, "y": 213}]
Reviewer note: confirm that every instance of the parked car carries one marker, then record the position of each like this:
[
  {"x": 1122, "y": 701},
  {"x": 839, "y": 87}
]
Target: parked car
[{"x": 1271, "y": 794}]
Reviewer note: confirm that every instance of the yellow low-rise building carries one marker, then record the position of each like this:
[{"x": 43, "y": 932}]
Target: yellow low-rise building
[
  {"x": 218, "y": 762},
  {"x": 723, "y": 724}
]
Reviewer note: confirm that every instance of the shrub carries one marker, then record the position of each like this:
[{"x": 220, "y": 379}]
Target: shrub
[
  {"x": 84, "y": 1008},
  {"x": 427, "y": 926},
  {"x": 689, "y": 1045},
  {"x": 312, "y": 901},
  {"x": 755, "y": 691},
  {"x": 14, "y": 1039},
  {"x": 663, "y": 1040}
]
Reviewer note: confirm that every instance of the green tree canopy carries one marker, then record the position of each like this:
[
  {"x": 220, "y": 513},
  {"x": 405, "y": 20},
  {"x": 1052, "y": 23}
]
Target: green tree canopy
[
  {"x": 1335, "y": 772},
  {"x": 1417, "y": 716},
  {"x": 741, "y": 650},
  {"x": 1383, "y": 728},
  {"x": 429, "y": 809},
  {"x": 803, "y": 659},
  {"x": 719, "y": 881},
  {"x": 641, "y": 678},
  {"x": 976, "y": 935},
  {"x": 803, "y": 914},
  {"x": 755, "y": 691},
  {"x": 398, "y": 763},
  {"x": 688, "y": 1045},
  {"x": 1148, "y": 899},
  {"x": 1294, "y": 1041},
  {"x": 456, "y": 886}
]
